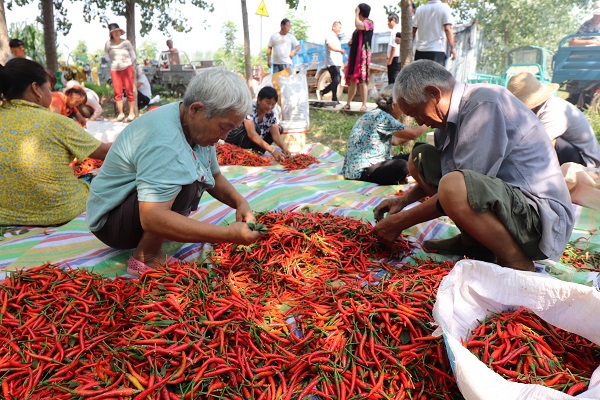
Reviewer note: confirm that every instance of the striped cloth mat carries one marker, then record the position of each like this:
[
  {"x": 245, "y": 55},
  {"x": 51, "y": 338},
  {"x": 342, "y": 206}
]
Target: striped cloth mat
[{"x": 319, "y": 188}]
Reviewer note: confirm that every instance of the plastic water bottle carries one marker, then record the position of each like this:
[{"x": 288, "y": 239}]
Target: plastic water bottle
[{"x": 293, "y": 326}]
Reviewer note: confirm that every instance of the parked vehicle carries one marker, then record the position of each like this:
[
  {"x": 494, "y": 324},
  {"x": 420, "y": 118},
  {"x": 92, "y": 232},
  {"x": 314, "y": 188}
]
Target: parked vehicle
[
  {"x": 534, "y": 59},
  {"x": 311, "y": 60},
  {"x": 170, "y": 73},
  {"x": 577, "y": 70}
]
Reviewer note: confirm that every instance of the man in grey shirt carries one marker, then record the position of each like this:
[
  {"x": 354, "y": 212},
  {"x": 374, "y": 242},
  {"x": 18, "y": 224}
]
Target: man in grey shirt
[
  {"x": 493, "y": 172},
  {"x": 568, "y": 128}
]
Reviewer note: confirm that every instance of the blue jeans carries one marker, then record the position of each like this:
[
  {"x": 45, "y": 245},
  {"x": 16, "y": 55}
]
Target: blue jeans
[{"x": 279, "y": 67}]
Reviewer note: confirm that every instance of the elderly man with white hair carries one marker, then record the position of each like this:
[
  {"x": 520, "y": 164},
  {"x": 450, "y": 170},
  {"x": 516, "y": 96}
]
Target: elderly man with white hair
[
  {"x": 493, "y": 172},
  {"x": 159, "y": 167}
]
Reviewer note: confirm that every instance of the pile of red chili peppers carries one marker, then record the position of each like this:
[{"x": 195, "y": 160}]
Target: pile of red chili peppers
[
  {"x": 582, "y": 254},
  {"x": 81, "y": 168},
  {"x": 285, "y": 318},
  {"x": 229, "y": 154},
  {"x": 298, "y": 161},
  {"x": 524, "y": 348}
]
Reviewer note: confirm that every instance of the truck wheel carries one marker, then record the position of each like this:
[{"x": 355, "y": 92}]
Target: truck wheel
[{"x": 179, "y": 91}]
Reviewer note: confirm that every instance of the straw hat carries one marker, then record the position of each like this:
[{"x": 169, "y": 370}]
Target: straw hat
[
  {"x": 115, "y": 27},
  {"x": 529, "y": 90}
]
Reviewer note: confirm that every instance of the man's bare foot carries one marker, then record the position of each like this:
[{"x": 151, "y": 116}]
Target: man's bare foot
[{"x": 519, "y": 265}]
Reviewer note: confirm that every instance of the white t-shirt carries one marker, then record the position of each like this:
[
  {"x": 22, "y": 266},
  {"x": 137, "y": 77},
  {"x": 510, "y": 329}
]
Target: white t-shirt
[
  {"x": 563, "y": 119},
  {"x": 392, "y": 42},
  {"x": 333, "y": 57},
  {"x": 430, "y": 20},
  {"x": 145, "y": 87},
  {"x": 282, "y": 47}
]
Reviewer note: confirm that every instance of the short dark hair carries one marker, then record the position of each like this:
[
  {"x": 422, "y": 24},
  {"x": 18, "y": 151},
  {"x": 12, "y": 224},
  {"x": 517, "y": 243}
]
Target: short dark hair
[
  {"x": 393, "y": 16},
  {"x": 17, "y": 75},
  {"x": 16, "y": 43},
  {"x": 268, "y": 92},
  {"x": 364, "y": 9},
  {"x": 284, "y": 21}
]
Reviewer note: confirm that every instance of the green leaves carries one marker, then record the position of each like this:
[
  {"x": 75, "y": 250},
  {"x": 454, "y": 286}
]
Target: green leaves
[{"x": 257, "y": 226}]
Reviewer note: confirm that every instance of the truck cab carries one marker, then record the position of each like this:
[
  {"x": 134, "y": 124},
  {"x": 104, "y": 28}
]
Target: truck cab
[{"x": 534, "y": 59}]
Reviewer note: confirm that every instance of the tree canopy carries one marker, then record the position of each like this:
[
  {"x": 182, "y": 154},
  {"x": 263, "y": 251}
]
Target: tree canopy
[{"x": 507, "y": 24}]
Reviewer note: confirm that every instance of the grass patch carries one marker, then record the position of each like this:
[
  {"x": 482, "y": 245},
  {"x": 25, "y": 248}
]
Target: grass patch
[
  {"x": 594, "y": 118},
  {"x": 330, "y": 128},
  {"x": 101, "y": 90}
]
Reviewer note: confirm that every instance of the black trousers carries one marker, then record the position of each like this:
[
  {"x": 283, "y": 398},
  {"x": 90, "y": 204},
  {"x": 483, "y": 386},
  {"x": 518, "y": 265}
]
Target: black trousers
[
  {"x": 123, "y": 228},
  {"x": 389, "y": 172},
  {"x": 566, "y": 152},
  {"x": 334, "y": 71},
  {"x": 437, "y": 56},
  {"x": 239, "y": 137},
  {"x": 143, "y": 100},
  {"x": 393, "y": 70}
]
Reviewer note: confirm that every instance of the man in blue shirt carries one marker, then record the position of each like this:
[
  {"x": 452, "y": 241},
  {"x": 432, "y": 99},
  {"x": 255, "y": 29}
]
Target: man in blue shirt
[{"x": 493, "y": 171}]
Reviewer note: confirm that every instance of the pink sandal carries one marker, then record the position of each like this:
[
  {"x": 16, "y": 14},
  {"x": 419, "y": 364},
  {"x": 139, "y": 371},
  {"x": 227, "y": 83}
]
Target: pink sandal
[{"x": 136, "y": 268}]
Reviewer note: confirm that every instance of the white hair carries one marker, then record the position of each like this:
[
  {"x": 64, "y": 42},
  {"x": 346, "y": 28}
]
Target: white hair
[
  {"x": 413, "y": 78},
  {"x": 221, "y": 91}
]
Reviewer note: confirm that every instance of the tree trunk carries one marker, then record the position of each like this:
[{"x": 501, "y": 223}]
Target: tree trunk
[
  {"x": 4, "y": 51},
  {"x": 130, "y": 18},
  {"x": 49, "y": 34},
  {"x": 247, "y": 62},
  {"x": 406, "y": 50}
]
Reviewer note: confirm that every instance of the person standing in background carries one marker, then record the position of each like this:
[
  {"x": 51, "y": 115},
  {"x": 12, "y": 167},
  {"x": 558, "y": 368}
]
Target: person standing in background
[
  {"x": 359, "y": 60},
  {"x": 334, "y": 56},
  {"x": 433, "y": 22},
  {"x": 282, "y": 46},
  {"x": 121, "y": 55},
  {"x": 393, "y": 51}
]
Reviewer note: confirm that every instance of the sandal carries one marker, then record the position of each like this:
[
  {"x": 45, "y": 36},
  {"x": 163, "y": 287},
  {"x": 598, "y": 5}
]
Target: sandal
[
  {"x": 346, "y": 107},
  {"x": 363, "y": 108},
  {"x": 135, "y": 267}
]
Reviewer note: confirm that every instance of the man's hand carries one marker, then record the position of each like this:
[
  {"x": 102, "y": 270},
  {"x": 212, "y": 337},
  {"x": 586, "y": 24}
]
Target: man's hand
[
  {"x": 389, "y": 206},
  {"x": 387, "y": 231}
]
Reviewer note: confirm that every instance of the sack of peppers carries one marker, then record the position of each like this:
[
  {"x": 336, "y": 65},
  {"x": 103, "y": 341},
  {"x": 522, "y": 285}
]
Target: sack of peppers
[
  {"x": 310, "y": 312},
  {"x": 519, "y": 335}
]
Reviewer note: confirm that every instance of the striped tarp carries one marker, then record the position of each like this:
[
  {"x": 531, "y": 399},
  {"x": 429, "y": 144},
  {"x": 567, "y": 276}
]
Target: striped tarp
[{"x": 320, "y": 188}]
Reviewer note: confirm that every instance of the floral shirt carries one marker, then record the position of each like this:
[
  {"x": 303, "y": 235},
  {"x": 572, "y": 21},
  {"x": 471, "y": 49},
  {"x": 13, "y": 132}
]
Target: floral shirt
[
  {"x": 589, "y": 27},
  {"x": 269, "y": 119},
  {"x": 36, "y": 146},
  {"x": 370, "y": 142}
]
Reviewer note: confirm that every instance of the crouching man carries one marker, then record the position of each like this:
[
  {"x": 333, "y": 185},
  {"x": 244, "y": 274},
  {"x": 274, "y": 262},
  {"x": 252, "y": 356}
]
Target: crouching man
[{"x": 493, "y": 171}]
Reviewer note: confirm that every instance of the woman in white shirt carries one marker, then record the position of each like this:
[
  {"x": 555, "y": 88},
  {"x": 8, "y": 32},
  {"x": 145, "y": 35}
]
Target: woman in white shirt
[{"x": 122, "y": 58}]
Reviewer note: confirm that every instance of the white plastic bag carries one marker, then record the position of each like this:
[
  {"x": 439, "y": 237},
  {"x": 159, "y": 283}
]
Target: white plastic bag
[
  {"x": 294, "y": 98},
  {"x": 474, "y": 289}
]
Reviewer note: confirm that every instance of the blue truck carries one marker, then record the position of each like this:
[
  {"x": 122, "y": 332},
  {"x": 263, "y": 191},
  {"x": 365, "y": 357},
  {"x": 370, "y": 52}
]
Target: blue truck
[
  {"x": 311, "y": 60},
  {"x": 534, "y": 59},
  {"x": 577, "y": 70}
]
